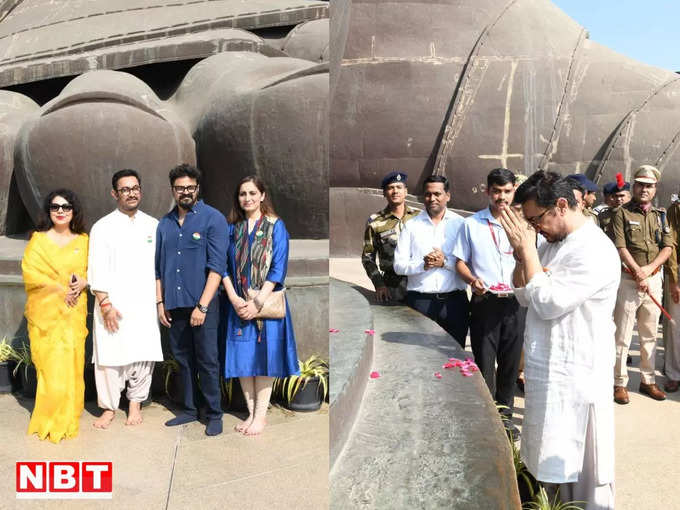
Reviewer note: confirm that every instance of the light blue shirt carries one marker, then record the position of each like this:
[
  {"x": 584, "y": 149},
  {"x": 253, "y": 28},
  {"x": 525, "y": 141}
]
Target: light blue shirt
[{"x": 488, "y": 258}]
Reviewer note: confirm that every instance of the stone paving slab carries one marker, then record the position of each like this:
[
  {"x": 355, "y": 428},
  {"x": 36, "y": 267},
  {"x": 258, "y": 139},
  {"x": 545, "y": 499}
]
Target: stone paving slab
[{"x": 157, "y": 467}]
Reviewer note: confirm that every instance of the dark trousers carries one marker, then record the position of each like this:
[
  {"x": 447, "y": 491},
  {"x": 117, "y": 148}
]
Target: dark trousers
[
  {"x": 196, "y": 351},
  {"x": 496, "y": 334},
  {"x": 450, "y": 310}
]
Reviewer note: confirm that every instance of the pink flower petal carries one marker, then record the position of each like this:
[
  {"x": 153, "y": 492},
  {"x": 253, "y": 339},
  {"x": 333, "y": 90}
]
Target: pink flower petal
[
  {"x": 448, "y": 365},
  {"x": 438, "y": 375},
  {"x": 454, "y": 359},
  {"x": 369, "y": 331},
  {"x": 375, "y": 375},
  {"x": 467, "y": 374},
  {"x": 333, "y": 330}
]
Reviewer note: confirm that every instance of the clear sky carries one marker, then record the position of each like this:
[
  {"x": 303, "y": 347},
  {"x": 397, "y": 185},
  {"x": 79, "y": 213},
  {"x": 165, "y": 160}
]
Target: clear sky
[{"x": 648, "y": 31}]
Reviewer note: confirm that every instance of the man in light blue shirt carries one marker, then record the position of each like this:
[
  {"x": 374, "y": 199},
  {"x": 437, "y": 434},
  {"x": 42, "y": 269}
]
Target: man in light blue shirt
[
  {"x": 486, "y": 262},
  {"x": 423, "y": 254}
]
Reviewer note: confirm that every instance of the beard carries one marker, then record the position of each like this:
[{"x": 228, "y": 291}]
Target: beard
[{"x": 184, "y": 204}]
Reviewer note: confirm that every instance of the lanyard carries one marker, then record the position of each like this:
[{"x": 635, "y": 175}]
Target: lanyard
[{"x": 495, "y": 241}]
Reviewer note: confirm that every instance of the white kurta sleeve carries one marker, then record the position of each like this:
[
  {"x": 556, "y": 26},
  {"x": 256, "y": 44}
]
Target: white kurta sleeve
[
  {"x": 566, "y": 286},
  {"x": 98, "y": 262},
  {"x": 404, "y": 263}
]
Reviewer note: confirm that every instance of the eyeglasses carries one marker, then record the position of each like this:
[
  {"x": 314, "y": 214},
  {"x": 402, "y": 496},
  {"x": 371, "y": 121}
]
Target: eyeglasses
[
  {"x": 535, "y": 221},
  {"x": 127, "y": 191},
  {"x": 185, "y": 189},
  {"x": 63, "y": 207}
]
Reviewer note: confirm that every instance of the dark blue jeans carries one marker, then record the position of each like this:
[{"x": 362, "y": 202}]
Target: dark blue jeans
[
  {"x": 196, "y": 351},
  {"x": 450, "y": 310}
]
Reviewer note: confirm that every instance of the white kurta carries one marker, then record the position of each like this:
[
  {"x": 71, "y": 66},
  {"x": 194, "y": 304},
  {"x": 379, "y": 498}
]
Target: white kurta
[
  {"x": 569, "y": 356},
  {"x": 121, "y": 263}
]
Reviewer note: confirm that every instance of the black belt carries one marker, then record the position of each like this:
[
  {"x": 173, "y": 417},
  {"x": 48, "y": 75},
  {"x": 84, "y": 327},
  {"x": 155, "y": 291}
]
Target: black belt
[{"x": 439, "y": 295}]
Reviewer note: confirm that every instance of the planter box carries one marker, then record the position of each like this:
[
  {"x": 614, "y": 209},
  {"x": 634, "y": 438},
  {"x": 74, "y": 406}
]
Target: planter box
[
  {"x": 29, "y": 381},
  {"x": 308, "y": 398},
  {"x": 6, "y": 376}
]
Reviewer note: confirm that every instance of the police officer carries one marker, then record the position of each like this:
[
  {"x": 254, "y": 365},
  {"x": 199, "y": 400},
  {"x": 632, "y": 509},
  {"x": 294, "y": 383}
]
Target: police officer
[
  {"x": 586, "y": 195},
  {"x": 615, "y": 195},
  {"x": 381, "y": 236},
  {"x": 644, "y": 242},
  {"x": 671, "y": 332}
]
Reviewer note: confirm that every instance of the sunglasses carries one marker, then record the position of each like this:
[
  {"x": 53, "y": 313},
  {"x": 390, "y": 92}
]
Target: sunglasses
[{"x": 63, "y": 207}]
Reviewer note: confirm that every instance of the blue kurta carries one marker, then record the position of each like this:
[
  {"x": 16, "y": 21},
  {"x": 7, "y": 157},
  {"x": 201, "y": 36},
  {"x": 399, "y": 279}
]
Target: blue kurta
[{"x": 275, "y": 354}]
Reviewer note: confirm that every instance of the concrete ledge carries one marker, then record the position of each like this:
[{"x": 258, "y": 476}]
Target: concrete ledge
[
  {"x": 419, "y": 441},
  {"x": 352, "y": 354}
]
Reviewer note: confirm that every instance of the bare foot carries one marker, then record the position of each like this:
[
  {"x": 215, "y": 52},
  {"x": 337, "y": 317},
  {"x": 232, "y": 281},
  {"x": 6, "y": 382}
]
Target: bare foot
[
  {"x": 243, "y": 425},
  {"x": 256, "y": 427},
  {"x": 104, "y": 420},
  {"x": 134, "y": 414}
]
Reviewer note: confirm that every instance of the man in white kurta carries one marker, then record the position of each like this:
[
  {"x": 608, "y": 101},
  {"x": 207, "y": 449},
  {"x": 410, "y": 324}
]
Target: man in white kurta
[
  {"x": 121, "y": 274},
  {"x": 569, "y": 285}
]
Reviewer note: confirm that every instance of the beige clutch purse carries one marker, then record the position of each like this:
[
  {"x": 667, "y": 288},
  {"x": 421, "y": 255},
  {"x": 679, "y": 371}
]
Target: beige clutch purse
[{"x": 274, "y": 307}]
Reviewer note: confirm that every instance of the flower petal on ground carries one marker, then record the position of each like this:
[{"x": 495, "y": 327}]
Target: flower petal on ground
[
  {"x": 375, "y": 375},
  {"x": 438, "y": 375},
  {"x": 370, "y": 331},
  {"x": 333, "y": 330}
]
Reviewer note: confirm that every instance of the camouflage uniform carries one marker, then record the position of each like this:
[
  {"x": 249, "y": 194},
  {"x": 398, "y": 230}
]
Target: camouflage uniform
[{"x": 380, "y": 238}]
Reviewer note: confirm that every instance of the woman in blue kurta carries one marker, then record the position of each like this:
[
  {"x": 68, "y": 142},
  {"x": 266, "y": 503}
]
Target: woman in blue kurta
[{"x": 257, "y": 350}]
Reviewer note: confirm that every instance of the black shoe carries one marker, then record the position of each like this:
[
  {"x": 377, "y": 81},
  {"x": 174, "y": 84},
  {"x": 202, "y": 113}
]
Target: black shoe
[
  {"x": 520, "y": 384},
  {"x": 629, "y": 360},
  {"x": 213, "y": 428},
  {"x": 180, "y": 419}
]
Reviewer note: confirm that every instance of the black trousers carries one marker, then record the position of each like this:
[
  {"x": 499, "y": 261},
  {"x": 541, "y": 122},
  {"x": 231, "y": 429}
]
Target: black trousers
[
  {"x": 450, "y": 310},
  {"x": 496, "y": 335},
  {"x": 196, "y": 351}
]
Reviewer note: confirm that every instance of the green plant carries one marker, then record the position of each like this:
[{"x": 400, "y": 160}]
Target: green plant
[
  {"x": 7, "y": 352},
  {"x": 23, "y": 356},
  {"x": 543, "y": 502},
  {"x": 312, "y": 367},
  {"x": 170, "y": 366},
  {"x": 227, "y": 387}
]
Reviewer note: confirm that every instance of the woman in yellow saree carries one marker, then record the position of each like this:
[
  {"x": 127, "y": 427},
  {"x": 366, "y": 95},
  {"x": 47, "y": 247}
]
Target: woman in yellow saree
[{"x": 54, "y": 268}]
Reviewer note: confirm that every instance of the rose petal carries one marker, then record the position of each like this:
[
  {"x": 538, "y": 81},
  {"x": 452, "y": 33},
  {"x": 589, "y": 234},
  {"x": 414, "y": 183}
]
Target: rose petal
[
  {"x": 438, "y": 375},
  {"x": 448, "y": 365},
  {"x": 467, "y": 374},
  {"x": 333, "y": 330},
  {"x": 369, "y": 331},
  {"x": 375, "y": 375}
]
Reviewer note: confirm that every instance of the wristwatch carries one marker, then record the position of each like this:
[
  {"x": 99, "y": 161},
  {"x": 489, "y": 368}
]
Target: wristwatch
[{"x": 203, "y": 309}]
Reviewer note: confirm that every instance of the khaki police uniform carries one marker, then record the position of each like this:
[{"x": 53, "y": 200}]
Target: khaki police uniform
[
  {"x": 380, "y": 239},
  {"x": 671, "y": 334},
  {"x": 644, "y": 235},
  {"x": 605, "y": 220},
  {"x": 591, "y": 215}
]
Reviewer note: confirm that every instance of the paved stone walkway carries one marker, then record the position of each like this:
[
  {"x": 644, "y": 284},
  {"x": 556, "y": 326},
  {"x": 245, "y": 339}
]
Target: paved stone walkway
[
  {"x": 158, "y": 467},
  {"x": 647, "y": 431}
]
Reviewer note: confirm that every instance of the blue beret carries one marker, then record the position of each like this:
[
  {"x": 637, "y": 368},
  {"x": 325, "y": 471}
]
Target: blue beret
[
  {"x": 611, "y": 187},
  {"x": 585, "y": 183},
  {"x": 393, "y": 177}
]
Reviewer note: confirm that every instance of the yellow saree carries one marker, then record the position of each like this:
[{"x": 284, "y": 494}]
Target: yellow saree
[{"x": 57, "y": 333}]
